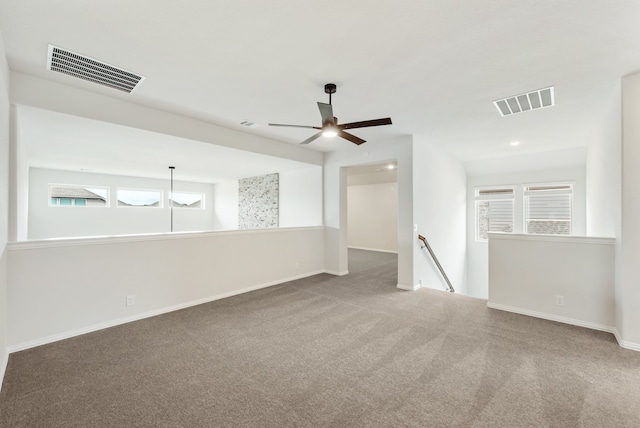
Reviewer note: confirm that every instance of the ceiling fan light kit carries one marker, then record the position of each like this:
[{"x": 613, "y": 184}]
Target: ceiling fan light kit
[{"x": 330, "y": 126}]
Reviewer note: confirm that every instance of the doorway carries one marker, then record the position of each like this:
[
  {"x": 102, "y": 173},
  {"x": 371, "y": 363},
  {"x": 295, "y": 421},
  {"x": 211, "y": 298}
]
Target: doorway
[{"x": 372, "y": 208}]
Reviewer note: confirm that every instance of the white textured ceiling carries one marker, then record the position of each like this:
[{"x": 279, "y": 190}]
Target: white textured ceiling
[{"x": 434, "y": 67}]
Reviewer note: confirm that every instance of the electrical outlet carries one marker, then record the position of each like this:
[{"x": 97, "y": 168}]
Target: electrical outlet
[
  {"x": 131, "y": 299},
  {"x": 559, "y": 300}
]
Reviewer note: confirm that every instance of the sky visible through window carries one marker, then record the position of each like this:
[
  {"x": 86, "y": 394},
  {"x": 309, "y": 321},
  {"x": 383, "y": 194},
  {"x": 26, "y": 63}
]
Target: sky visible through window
[
  {"x": 185, "y": 198},
  {"x": 139, "y": 198},
  {"x": 100, "y": 191}
]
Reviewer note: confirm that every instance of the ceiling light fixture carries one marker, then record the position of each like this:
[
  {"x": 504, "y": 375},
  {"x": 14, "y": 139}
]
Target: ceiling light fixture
[
  {"x": 515, "y": 143},
  {"x": 391, "y": 166},
  {"x": 329, "y": 132}
]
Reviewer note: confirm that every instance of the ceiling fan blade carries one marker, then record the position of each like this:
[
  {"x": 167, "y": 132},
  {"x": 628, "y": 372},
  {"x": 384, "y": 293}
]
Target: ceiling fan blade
[
  {"x": 366, "y": 123},
  {"x": 326, "y": 111},
  {"x": 351, "y": 137},
  {"x": 295, "y": 126},
  {"x": 313, "y": 137}
]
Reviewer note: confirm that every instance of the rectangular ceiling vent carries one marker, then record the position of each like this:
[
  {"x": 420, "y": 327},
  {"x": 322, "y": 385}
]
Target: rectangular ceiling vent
[
  {"x": 86, "y": 68},
  {"x": 524, "y": 102}
]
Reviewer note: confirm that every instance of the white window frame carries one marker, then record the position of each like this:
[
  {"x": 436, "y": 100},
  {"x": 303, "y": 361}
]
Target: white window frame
[
  {"x": 73, "y": 203},
  {"x": 130, "y": 189},
  {"x": 496, "y": 197},
  {"x": 525, "y": 196}
]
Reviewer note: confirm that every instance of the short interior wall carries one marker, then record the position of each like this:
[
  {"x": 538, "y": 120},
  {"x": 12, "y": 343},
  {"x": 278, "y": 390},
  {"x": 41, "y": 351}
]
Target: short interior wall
[
  {"x": 478, "y": 253},
  {"x": 94, "y": 276},
  {"x": 527, "y": 273}
]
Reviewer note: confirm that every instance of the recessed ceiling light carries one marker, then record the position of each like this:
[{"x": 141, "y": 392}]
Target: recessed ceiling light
[
  {"x": 391, "y": 166},
  {"x": 515, "y": 143}
]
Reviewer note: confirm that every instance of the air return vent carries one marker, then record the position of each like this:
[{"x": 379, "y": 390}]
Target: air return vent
[
  {"x": 86, "y": 68},
  {"x": 524, "y": 102}
]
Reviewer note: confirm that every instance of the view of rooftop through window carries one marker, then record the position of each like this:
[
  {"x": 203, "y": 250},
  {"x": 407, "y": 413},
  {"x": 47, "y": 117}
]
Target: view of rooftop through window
[{"x": 78, "y": 196}]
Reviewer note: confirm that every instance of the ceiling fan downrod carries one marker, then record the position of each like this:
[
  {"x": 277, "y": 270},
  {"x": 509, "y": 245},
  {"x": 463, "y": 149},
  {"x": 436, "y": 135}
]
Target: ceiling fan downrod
[{"x": 330, "y": 88}]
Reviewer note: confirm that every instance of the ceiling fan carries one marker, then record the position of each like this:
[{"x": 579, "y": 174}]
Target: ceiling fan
[{"x": 330, "y": 126}]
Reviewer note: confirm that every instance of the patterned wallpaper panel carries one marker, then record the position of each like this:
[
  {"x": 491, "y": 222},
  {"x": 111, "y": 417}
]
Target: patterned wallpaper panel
[{"x": 258, "y": 202}]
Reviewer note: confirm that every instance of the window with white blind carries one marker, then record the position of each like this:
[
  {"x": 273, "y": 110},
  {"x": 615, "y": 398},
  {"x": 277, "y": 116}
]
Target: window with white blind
[
  {"x": 494, "y": 211},
  {"x": 547, "y": 209}
]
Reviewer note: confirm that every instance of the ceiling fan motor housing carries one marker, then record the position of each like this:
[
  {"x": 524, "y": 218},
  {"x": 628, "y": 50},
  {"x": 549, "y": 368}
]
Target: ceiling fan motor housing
[{"x": 330, "y": 122}]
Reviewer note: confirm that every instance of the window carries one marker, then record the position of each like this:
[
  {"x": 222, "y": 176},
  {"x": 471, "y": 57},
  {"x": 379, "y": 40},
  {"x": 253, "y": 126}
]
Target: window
[
  {"x": 547, "y": 209},
  {"x": 186, "y": 200},
  {"x": 62, "y": 195},
  {"x": 494, "y": 211},
  {"x": 139, "y": 198}
]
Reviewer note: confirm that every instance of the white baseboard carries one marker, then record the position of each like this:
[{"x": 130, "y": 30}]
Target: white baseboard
[
  {"x": 373, "y": 249},
  {"x": 408, "y": 287},
  {"x": 101, "y": 326},
  {"x": 336, "y": 273},
  {"x": 550, "y": 317},
  {"x": 3, "y": 369},
  {"x": 623, "y": 343}
]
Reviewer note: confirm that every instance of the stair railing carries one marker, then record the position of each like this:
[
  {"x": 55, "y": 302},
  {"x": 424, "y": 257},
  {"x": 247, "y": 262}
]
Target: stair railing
[{"x": 435, "y": 259}]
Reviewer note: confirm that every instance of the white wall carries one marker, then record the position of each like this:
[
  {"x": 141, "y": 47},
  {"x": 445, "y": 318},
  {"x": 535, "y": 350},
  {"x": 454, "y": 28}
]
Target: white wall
[
  {"x": 300, "y": 200},
  {"x": 335, "y": 201},
  {"x": 628, "y": 274},
  {"x": 19, "y": 182},
  {"x": 301, "y": 197},
  {"x": 527, "y": 272},
  {"x": 225, "y": 205},
  {"x": 54, "y": 222},
  {"x": 32, "y": 91},
  {"x": 439, "y": 210},
  {"x": 604, "y": 171},
  {"x": 478, "y": 254},
  {"x": 91, "y": 278},
  {"x": 4, "y": 203},
  {"x": 372, "y": 218}
]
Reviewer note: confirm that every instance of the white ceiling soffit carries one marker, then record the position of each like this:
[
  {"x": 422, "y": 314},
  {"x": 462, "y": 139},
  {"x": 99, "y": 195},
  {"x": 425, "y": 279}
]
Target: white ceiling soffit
[
  {"x": 533, "y": 100},
  {"x": 76, "y": 65}
]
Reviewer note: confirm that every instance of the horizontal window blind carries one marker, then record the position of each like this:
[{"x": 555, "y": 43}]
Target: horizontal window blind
[
  {"x": 494, "y": 210},
  {"x": 493, "y": 215},
  {"x": 548, "y": 209}
]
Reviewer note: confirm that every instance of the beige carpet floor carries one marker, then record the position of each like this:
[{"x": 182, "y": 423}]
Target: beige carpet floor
[{"x": 329, "y": 351}]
